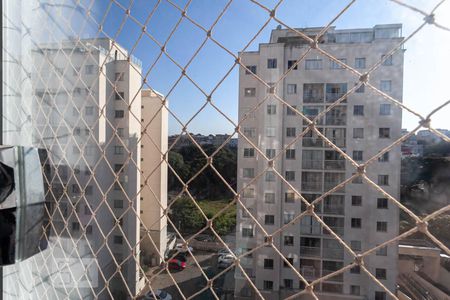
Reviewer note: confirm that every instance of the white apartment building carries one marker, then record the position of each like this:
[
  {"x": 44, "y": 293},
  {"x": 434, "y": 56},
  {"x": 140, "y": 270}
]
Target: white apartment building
[
  {"x": 361, "y": 126},
  {"x": 89, "y": 110}
]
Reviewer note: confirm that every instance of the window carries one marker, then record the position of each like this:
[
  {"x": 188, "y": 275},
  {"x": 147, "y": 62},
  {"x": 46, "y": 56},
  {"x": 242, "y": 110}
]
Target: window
[
  {"x": 290, "y": 175},
  {"x": 120, "y": 132},
  {"x": 250, "y": 92},
  {"x": 313, "y": 64},
  {"x": 250, "y": 70},
  {"x": 355, "y": 270},
  {"x": 118, "y": 203},
  {"x": 119, "y": 114},
  {"x": 291, "y": 63},
  {"x": 270, "y": 153},
  {"x": 382, "y": 203},
  {"x": 380, "y": 273},
  {"x": 387, "y": 60},
  {"x": 118, "y": 76},
  {"x": 249, "y": 132},
  {"x": 383, "y": 179},
  {"x": 385, "y": 109},
  {"x": 355, "y": 245},
  {"x": 356, "y": 200},
  {"x": 356, "y": 223},
  {"x": 89, "y": 110},
  {"x": 117, "y": 239},
  {"x": 385, "y": 86},
  {"x": 334, "y": 65},
  {"x": 291, "y": 89},
  {"x": 247, "y": 232},
  {"x": 89, "y": 229},
  {"x": 118, "y": 168},
  {"x": 381, "y": 251},
  {"x": 290, "y": 260},
  {"x": 118, "y": 149},
  {"x": 289, "y": 197},
  {"x": 288, "y": 284},
  {"x": 288, "y": 217},
  {"x": 360, "y": 63},
  {"x": 75, "y": 226},
  {"x": 271, "y": 109},
  {"x": 380, "y": 295},
  {"x": 290, "y": 111},
  {"x": 290, "y": 132},
  {"x": 89, "y": 69},
  {"x": 360, "y": 89},
  {"x": 269, "y": 197},
  {"x": 381, "y": 226},
  {"x": 268, "y": 285},
  {"x": 289, "y": 240},
  {"x": 269, "y": 219},
  {"x": 119, "y": 96},
  {"x": 89, "y": 190},
  {"x": 384, "y": 157},
  {"x": 248, "y": 172},
  {"x": 357, "y": 155},
  {"x": 358, "y": 133},
  {"x": 87, "y": 210},
  {"x": 358, "y": 110},
  {"x": 270, "y": 176},
  {"x": 355, "y": 290},
  {"x": 384, "y": 133},
  {"x": 272, "y": 63},
  {"x": 268, "y": 263},
  {"x": 290, "y": 153},
  {"x": 249, "y": 152},
  {"x": 270, "y": 131}
]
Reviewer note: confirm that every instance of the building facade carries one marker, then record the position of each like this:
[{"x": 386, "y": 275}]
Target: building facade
[
  {"x": 361, "y": 126},
  {"x": 89, "y": 108}
]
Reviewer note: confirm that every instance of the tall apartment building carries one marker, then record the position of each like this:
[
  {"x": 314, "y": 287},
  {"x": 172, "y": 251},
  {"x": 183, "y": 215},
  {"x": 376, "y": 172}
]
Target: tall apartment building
[
  {"x": 361, "y": 126},
  {"x": 89, "y": 111}
]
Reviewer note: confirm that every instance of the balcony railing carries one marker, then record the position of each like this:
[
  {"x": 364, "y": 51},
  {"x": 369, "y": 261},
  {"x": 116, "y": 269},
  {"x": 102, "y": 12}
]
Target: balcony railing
[
  {"x": 313, "y": 230},
  {"x": 312, "y": 164},
  {"x": 309, "y": 272},
  {"x": 328, "y": 185},
  {"x": 312, "y": 142},
  {"x": 338, "y": 278},
  {"x": 336, "y": 229},
  {"x": 339, "y": 121},
  {"x": 333, "y": 253},
  {"x": 333, "y": 209},
  {"x": 312, "y": 186},
  {"x": 331, "y": 97},
  {"x": 335, "y": 164},
  {"x": 309, "y": 251}
]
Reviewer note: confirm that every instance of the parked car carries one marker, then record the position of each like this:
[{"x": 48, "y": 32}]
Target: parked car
[
  {"x": 179, "y": 247},
  {"x": 223, "y": 252},
  {"x": 224, "y": 261},
  {"x": 204, "y": 238},
  {"x": 159, "y": 295},
  {"x": 176, "y": 264},
  {"x": 181, "y": 257}
]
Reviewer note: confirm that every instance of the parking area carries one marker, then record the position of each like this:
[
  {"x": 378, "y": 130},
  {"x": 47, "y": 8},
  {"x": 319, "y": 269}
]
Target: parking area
[{"x": 190, "y": 280}]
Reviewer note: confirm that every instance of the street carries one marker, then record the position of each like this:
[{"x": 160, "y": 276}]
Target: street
[{"x": 190, "y": 280}]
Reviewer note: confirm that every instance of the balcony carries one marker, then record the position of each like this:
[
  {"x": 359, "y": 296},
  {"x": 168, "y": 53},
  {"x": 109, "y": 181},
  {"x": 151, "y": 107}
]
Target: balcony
[
  {"x": 312, "y": 186},
  {"x": 337, "y": 278},
  {"x": 309, "y": 251},
  {"x": 333, "y": 253},
  {"x": 312, "y": 164},
  {"x": 310, "y": 273},
  {"x": 335, "y": 164},
  {"x": 310, "y": 230},
  {"x": 336, "y": 229},
  {"x": 312, "y": 142},
  {"x": 333, "y": 209}
]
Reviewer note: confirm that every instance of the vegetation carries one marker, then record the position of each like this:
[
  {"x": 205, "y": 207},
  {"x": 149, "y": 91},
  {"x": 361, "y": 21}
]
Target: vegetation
[
  {"x": 188, "y": 219},
  {"x": 188, "y": 160}
]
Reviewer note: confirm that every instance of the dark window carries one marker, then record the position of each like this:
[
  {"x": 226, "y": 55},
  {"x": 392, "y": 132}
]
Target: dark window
[
  {"x": 384, "y": 157},
  {"x": 271, "y": 109},
  {"x": 290, "y": 111},
  {"x": 290, "y": 260},
  {"x": 358, "y": 155},
  {"x": 291, "y": 63},
  {"x": 382, "y": 203},
  {"x": 380, "y": 273},
  {"x": 290, "y": 132},
  {"x": 270, "y": 153},
  {"x": 288, "y": 240},
  {"x": 355, "y": 270},
  {"x": 288, "y": 283},
  {"x": 269, "y": 219},
  {"x": 268, "y": 263},
  {"x": 384, "y": 133},
  {"x": 290, "y": 153},
  {"x": 380, "y": 295},
  {"x": 358, "y": 110},
  {"x": 251, "y": 69},
  {"x": 268, "y": 285},
  {"x": 272, "y": 63},
  {"x": 119, "y": 96},
  {"x": 290, "y": 175},
  {"x": 119, "y": 114},
  {"x": 356, "y": 222},
  {"x": 118, "y": 239},
  {"x": 360, "y": 89},
  {"x": 383, "y": 179},
  {"x": 381, "y": 226},
  {"x": 356, "y": 200}
]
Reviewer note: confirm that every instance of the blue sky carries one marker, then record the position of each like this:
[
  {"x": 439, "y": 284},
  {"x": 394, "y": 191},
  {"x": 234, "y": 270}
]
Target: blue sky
[{"x": 426, "y": 59}]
